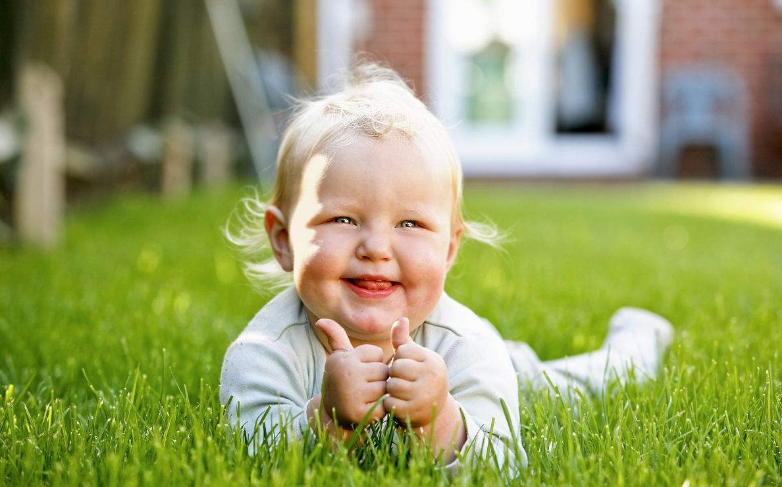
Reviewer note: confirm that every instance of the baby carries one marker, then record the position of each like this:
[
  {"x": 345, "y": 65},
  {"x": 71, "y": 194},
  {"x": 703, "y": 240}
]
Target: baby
[{"x": 365, "y": 216}]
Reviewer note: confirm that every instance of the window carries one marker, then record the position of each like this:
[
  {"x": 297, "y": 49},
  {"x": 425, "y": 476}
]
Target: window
[{"x": 489, "y": 98}]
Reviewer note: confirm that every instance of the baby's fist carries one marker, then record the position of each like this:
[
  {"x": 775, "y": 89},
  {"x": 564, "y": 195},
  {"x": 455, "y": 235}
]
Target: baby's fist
[
  {"x": 353, "y": 379},
  {"x": 418, "y": 379}
]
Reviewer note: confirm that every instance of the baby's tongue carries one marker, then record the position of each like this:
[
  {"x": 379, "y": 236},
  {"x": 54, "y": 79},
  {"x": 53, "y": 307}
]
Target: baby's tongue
[{"x": 372, "y": 285}]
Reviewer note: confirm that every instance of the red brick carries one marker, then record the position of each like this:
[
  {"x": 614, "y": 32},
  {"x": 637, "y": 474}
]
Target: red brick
[{"x": 743, "y": 35}]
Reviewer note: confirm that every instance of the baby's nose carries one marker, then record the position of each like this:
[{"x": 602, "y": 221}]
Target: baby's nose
[{"x": 376, "y": 245}]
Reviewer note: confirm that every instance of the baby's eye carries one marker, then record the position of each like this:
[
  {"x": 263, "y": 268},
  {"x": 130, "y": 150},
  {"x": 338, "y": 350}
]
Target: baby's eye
[
  {"x": 343, "y": 219},
  {"x": 408, "y": 224}
]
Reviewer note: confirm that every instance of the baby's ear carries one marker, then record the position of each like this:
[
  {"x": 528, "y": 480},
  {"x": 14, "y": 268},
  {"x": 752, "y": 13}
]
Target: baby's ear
[
  {"x": 277, "y": 229},
  {"x": 453, "y": 248}
]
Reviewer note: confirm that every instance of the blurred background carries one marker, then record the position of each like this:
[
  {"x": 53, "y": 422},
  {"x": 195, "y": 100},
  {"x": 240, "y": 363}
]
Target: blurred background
[{"x": 98, "y": 96}]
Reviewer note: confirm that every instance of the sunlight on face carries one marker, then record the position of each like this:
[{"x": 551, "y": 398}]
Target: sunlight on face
[{"x": 371, "y": 236}]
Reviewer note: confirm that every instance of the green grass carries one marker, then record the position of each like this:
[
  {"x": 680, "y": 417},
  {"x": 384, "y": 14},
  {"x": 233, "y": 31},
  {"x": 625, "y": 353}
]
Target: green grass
[{"x": 111, "y": 345}]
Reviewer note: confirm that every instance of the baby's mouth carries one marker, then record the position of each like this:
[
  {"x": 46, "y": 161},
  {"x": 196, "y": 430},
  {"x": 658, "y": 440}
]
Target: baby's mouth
[{"x": 370, "y": 284}]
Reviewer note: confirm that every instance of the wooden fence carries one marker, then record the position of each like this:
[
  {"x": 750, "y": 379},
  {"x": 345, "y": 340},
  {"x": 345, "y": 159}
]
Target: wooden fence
[{"x": 117, "y": 65}]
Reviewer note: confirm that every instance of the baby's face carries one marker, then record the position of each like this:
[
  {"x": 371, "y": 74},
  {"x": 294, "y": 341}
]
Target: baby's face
[{"x": 371, "y": 236}]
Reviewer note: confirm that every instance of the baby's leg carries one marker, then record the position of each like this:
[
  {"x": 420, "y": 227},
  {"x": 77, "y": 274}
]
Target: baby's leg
[
  {"x": 637, "y": 340},
  {"x": 535, "y": 374}
]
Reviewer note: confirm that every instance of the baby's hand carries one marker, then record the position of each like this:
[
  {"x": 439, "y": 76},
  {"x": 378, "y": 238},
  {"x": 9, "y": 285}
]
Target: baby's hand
[
  {"x": 353, "y": 379},
  {"x": 418, "y": 379}
]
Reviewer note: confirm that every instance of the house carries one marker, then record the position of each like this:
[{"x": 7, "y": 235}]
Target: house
[{"x": 564, "y": 88}]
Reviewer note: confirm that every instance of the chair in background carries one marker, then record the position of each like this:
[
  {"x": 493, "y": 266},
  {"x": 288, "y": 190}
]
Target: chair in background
[{"x": 705, "y": 106}]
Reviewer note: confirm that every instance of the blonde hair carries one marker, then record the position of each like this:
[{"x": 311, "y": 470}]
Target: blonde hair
[{"x": 375, "y": 103}]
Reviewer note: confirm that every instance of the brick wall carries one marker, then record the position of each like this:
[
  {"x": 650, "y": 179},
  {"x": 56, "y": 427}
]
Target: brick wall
[
  {"x": 397, "y": 38},
  {"x": 744, "y": 35}
]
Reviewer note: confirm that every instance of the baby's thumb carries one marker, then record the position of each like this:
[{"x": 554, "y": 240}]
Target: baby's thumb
[
  {"x": 400, "y": 333},
  {"x": 335, "y": 334}
]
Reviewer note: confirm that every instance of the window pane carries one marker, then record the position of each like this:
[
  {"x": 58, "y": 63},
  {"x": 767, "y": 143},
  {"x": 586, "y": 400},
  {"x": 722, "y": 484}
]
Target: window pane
[{"x": 489, "y": 99}]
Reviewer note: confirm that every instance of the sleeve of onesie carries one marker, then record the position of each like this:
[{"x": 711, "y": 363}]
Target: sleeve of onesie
[
  {"x": 480, "y": 374},
  {"x": 263, "y": 381}
]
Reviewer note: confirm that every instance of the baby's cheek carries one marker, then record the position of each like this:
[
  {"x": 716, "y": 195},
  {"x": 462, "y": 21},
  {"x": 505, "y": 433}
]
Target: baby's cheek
[
  {"x": 430, "y": 264},
  {"x": 427, "y": 271},
  {"x": 317, "y": 266},
  {"x": 314, "y": 279}
]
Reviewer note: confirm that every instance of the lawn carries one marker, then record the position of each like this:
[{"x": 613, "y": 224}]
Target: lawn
[{"x": 111, "y": 345}]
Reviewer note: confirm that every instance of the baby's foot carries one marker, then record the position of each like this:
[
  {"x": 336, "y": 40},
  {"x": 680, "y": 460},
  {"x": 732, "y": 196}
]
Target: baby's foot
[{"x": 639, "y": 337}]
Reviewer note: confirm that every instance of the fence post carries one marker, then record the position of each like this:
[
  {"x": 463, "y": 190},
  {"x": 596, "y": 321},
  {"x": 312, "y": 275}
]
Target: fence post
[
  {"x": 177, "y": 159},
  {"x": 40, "y": 190},
  {"x": 215, "y": 142}
]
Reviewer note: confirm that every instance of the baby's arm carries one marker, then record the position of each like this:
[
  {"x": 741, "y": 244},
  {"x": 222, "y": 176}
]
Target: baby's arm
[
  {"x": 481, "y": 376},
  {"x": 418, "y": 392},
  {"x": 265, "y": 383},
  {"x": 263, "y": 380}
]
